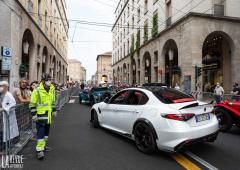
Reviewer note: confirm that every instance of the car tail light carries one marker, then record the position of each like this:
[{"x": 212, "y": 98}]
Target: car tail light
[{"x": 179, "y": 117}]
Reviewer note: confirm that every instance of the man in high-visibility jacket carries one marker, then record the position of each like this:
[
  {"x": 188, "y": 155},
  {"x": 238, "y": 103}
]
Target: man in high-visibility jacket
[{"x": 42, "y": 107}]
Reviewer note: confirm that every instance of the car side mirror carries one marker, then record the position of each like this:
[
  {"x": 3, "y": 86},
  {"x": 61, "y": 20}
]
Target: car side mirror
[{"x": 106, "y": 100}]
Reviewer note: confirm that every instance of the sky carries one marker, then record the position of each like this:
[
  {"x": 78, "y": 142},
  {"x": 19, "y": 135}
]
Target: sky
[{"x": 89, "y": 41}]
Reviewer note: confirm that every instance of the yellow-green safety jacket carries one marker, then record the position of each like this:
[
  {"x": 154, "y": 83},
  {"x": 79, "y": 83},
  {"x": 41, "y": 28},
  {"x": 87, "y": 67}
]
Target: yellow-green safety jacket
[{"x": 43, "y": 103}]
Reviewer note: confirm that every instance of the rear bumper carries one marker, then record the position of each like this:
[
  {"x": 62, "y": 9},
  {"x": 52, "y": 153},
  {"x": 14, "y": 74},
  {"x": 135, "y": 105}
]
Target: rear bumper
[
  {"x": 209, "y": 138},
  {"x": 172, "y": 138}
]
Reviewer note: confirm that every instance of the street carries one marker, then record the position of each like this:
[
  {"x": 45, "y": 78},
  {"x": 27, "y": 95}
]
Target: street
[{"x": 76, "y": 145}]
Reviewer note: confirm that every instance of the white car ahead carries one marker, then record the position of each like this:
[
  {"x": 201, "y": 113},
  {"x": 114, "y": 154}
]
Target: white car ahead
[{"x": 157, "y": 117}]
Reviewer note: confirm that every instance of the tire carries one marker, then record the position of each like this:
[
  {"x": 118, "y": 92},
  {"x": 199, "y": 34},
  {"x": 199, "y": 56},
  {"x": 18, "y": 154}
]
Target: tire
[
  {"x": 95, "y": 122},
  {"x": 224, "y": 119},
  {"x": 144, "y": 138}
]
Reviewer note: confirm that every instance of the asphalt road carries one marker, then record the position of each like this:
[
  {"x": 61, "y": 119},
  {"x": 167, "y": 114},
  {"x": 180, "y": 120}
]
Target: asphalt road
[{"x": 76, "y": 145}]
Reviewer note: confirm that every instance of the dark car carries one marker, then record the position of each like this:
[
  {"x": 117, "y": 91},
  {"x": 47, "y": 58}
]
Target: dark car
[{"x": 95, "y": 95}]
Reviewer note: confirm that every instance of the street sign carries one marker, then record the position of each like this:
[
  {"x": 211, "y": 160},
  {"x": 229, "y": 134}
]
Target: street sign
[
  {"x": 6, "y": 63},
  {"x": 6, "y": 51}
]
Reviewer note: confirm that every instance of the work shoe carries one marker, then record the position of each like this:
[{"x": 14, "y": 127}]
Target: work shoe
[
  {"x": 40, "y": 155},
  {"x": 48, "y": 149}
]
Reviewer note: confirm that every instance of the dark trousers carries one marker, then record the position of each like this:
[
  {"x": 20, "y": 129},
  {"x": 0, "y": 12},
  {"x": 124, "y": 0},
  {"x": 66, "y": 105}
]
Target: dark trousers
[
  {"x": 42, "y": 130},
  {"x": 218, "y": 99}
]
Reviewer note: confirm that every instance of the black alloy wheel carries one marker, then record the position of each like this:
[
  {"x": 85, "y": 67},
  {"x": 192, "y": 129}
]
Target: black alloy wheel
[
  {"x": 144, "y": 138},
  {"x": 224, "y": 119}
]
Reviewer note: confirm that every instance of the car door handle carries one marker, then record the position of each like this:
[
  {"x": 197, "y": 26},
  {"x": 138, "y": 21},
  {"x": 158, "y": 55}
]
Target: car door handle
[{"x": 135, "y": 111}]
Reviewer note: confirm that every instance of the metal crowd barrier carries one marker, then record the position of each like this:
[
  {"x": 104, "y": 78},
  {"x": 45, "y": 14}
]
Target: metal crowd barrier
[
  {"x": 25, "y": 126},
  {"x": 208, "y": 96}
]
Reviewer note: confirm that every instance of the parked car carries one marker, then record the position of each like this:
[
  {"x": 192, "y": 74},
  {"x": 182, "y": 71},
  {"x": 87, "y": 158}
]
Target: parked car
[
  {"x": 228, "y": 113},
  {"x": 157, "y": 117},
  {"x": 95, "y": 95}
]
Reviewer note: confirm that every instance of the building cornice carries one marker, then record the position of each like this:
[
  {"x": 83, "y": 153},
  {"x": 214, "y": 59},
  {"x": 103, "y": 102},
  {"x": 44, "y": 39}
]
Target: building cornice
[
  {"x": 120, "y": 14},
  {"x": 59, "y": 11},
  {"x": 39, "y": 29},
  {"x": 191, "y": 14}
]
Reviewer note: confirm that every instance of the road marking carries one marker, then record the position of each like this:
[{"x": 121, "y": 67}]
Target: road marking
[
  {"x": 201, "y": 161},
  {"x": 72, "y": 101},
  {"x": 75, "y": 96},
  {"x": 182, "y": 160}
]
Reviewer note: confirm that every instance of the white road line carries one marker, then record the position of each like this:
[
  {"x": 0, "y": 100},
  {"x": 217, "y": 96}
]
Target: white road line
[
  {"x": 201, "y": 161},
  {"x": 72, "y": 101}
]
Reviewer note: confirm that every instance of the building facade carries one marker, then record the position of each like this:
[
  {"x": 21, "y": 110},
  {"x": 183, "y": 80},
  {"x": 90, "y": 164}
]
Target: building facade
[
  {"x": 37, "y": 33},
  {"x": 104, "y": 68},
  {"x": 76, "y": 72},
  {"x": 190, "y": 42}
]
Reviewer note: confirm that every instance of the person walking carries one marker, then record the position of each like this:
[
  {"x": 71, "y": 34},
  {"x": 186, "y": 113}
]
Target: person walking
[
  {"x": 42, "y": 107},
  {"x": 219, "y": 92}
]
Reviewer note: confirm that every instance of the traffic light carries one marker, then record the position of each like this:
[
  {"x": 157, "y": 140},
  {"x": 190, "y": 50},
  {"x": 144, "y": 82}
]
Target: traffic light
[{"x": 198, "y": 71}]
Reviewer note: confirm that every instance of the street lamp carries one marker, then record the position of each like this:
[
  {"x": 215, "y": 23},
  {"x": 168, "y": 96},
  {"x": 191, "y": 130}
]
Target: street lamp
[{"x": 170, "y": 55}]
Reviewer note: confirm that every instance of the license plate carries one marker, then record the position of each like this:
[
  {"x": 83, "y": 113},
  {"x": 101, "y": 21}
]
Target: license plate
[{"x": 202, "y": 117}]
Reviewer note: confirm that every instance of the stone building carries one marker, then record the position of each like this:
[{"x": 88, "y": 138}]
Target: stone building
[
  {"x": 37, "y": 33},
  {"x": 192, "y": 43},
  {"x": 76, "y": 71},
  {"x": 104, "y": 68}
]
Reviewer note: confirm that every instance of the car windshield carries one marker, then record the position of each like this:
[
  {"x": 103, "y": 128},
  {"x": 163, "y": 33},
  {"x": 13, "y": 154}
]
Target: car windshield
[{"x": 171, "y": 96}]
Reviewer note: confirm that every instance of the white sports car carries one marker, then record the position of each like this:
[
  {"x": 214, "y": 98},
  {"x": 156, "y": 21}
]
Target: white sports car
[{"x": 157, "y": 117}]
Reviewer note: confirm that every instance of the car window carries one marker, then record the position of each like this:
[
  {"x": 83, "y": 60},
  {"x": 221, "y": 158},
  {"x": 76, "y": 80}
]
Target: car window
[
  {"x": 171, "y": 96},
  {"x": 133, "y": 98},
  {"x": 143, "y": 99},
  {"x": 137, "y": 98},
  {"x": 120, "y": 98}
]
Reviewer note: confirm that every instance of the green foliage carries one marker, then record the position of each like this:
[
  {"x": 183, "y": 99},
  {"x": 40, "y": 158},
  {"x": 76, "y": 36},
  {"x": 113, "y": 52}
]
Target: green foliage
[
  {"x": 145, "y": 32},
  {"x": 155, "y": 25},
  {"x": 138, "y": 41}
]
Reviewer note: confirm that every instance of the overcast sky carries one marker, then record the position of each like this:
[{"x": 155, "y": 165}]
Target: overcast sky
[{"x": 82, "y": 47}]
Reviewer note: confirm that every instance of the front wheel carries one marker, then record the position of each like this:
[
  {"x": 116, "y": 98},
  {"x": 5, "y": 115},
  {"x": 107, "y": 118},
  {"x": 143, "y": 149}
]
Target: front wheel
[
  {"x": 144, "y": 138},
  {"x": 224, "y": 119},
  {"x": 95, "y": 122}
]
